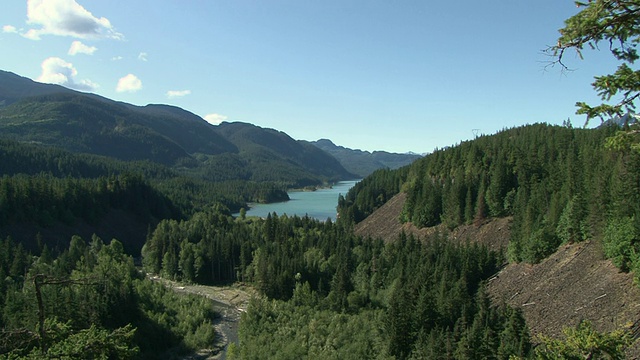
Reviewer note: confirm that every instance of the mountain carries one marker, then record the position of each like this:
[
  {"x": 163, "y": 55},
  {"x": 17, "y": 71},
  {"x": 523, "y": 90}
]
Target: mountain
[
  {"x": 89, "y": 123},
  {"x": 364, "y": 163},
  {"x": 280, "y": 153},
  {"x": 621, "y": 121},
  {"x": 14, "y": 87},
  {"x": 52, "y": 115}
]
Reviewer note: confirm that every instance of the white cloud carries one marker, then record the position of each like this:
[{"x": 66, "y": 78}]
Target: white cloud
[
  {"x": 215, "y": 119},
  {"x": 9, "y": 29},
  {"x": 66, "y": 18},
  {"x": 129, "y": 83},
  {"x": 58, "y": 71},
  {"x": 177, "y": 93},
  {"x": 78, "y": 47},
  {"x": 117, "y": 58},
  {"x": 142, "y": 56},
  {"x": 32, "y": 35}
]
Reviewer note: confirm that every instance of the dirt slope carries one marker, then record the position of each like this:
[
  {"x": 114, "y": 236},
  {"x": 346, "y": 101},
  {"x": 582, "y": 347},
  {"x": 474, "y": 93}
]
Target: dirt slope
[
  {"x": 385, "y": 223},
  {"x": 576, "y": 283}
]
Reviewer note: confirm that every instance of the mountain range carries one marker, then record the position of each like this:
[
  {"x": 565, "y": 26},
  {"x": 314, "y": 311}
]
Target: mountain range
[
  {"x": 364, "y": 163},
  {"x": 87, "y": 123}
]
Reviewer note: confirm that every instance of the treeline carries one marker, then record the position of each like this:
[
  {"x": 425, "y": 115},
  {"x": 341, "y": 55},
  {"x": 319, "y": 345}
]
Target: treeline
[
  {"x": 190, "y": 189},
  {"x": 44, "y": 199},
  {"x": 415, "y": 298},
  {"x": 192, "y": 195},
  {"x": 91, "y": 302},
  {"x": 31, "y": 159}
]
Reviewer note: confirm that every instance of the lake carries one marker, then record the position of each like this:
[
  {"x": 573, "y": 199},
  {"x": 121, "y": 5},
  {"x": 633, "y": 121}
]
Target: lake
[{"x": 320, "y": 204}]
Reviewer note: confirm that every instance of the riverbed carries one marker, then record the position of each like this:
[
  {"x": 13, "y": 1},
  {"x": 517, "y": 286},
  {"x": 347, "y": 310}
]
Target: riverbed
[{"x": 229, "y": 302}]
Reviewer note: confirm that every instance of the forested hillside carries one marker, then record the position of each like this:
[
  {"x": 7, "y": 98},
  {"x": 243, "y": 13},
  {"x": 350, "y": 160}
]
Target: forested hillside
[
  {"x": 272, "y": 153},
  {"x": 31, "y": 112},
  {"x": 54, "y": 194},
  {"x": 560, "y": 184},
  {"x": 418, "y": 297},
  {"x": 550, "y": 186}
]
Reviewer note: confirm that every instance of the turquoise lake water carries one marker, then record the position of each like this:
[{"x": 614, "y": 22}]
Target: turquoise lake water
[{"x": 320, "y": 204}]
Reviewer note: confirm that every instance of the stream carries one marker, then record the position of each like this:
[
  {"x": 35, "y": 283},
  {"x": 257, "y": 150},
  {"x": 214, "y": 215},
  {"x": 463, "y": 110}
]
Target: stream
[
  {"x": 226, "y": 325},
  {"x": 228, "y": 301}
]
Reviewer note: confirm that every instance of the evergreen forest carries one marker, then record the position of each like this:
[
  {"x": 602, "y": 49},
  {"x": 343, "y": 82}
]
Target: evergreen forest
[{"x": 324, "y": 292}]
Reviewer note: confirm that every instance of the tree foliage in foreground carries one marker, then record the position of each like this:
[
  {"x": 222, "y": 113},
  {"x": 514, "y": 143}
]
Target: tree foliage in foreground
[
  {"x": 584, "y": 342},
  {"x": 615, "y": 25}
]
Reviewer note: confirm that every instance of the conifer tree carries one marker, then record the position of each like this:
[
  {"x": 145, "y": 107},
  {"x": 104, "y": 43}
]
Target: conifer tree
[{"x": 616, "y": 24}]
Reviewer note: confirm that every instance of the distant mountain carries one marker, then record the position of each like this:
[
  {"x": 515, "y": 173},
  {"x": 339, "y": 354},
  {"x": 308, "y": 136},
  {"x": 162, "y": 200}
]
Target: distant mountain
[
  {"x": 278, "y": 149},
  {"x": 87, "y": 123},
  {"x": 14, "y": 87},
  {"x": 626, "y": 119},
  {"x": 364, "y": 163}
]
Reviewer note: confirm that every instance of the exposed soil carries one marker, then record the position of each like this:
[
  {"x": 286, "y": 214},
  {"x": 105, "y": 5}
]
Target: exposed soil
[
  {"x": 576, "y": 283},
  {"x": 385, "y": 223}
]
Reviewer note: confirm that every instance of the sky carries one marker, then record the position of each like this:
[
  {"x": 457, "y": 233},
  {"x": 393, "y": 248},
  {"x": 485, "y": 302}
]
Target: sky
[{"x": 399, "y": 76}]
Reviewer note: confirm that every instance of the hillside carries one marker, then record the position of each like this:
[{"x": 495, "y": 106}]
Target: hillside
[
  {"x": 14, "y": 88},
  {"x": 363, "y": 163},
  {"x": 51, "y": 115},
  {"x": 560, "y": 203},
  {"x": 385, "y": 223},
  {"x": 575, "y": 283},
  {"x": 280, "y": 152}
]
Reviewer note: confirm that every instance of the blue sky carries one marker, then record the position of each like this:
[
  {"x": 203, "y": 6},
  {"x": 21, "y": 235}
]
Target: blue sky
[{"x": 373, "y": 75}]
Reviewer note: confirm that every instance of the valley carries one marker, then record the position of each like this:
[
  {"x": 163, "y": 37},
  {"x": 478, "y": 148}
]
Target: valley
[
  {"x": 152, "y": 158},
  {"x": 474, "y": 251}
]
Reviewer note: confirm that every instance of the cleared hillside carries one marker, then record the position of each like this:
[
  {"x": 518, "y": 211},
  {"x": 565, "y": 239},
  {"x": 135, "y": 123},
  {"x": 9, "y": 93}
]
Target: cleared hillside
[
  {"x": 385, "y": 223},
  {"x": 575, "y": 283}
]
